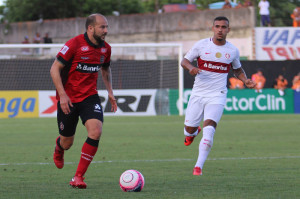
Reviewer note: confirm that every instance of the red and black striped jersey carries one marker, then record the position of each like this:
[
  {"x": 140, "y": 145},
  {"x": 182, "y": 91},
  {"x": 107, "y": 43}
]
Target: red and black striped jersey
[{"x": 82, "y": 60}]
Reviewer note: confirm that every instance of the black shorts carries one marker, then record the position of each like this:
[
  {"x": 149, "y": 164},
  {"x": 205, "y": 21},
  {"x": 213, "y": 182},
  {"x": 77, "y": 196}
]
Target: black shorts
[{"x": 89, "y": 108}]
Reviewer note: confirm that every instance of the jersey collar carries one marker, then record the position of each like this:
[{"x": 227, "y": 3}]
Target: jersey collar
[{"x": 91, "y": 43}]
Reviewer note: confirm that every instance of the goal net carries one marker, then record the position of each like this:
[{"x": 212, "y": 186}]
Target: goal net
[{"x": 147, "y": 77}]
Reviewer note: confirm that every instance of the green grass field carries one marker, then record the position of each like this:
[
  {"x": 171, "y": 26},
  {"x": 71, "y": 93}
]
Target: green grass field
[{"x": 254, "y": 156}]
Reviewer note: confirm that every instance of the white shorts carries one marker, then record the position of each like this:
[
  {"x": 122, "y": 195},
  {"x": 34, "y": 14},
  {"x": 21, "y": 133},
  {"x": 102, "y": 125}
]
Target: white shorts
[{"x": 203, "y": 108}]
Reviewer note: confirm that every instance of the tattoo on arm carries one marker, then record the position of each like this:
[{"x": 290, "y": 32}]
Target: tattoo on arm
[{"x": 238, "y": 72}]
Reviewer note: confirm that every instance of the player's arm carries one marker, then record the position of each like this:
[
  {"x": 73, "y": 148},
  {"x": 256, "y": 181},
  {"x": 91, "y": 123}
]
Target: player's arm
[
  {"x": 241, "y": 75},
  {"x": 186, "y": 64},
  {"x": 65, "y": 101},
  {"x": 107, "y": 79}
]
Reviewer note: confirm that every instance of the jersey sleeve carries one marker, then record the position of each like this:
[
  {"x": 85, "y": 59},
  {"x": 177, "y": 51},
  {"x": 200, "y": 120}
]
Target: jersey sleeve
[
  {"x": 193, "y": 53},
  {"x": 236, "y": 63},
  {"x": 66, "y": 54}
]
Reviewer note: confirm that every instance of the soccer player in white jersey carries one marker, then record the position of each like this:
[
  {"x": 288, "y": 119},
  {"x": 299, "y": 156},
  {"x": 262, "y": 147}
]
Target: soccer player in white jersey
[{"x": 215, "y": 56}]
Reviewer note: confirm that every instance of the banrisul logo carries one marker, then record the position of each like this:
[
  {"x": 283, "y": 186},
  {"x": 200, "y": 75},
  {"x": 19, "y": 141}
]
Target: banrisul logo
[
  {"x": 269, "y": 101},
  {"x": 88, "y": 68}
]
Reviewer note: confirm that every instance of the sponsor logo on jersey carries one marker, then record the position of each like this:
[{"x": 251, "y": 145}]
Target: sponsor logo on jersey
[
  {"x": 215, "y": 67},
  {"x": 88, "y": 68},
  {"x": 84, "y": 57},
  {"x": 103, "y": 50},
  {"x": 218, "y": 55},
  {"x": 84, "y": 48},
  {"x": 64, "y": 50}
]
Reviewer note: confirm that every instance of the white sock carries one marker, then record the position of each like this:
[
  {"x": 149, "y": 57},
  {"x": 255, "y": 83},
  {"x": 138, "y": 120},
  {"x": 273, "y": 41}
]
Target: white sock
[
  {"x": 190, "y": 134},
  {"x": 205, "y": 145}
]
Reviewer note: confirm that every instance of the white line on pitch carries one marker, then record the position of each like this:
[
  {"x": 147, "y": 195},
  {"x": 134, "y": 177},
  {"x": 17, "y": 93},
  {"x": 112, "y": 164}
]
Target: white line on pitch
[{"x": 162, "y": 160}]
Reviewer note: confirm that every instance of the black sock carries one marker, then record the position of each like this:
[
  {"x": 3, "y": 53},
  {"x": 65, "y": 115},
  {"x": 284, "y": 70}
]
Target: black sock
[
  {"x": 58, "y": 143},
  {"x": 92, "y": 142}
]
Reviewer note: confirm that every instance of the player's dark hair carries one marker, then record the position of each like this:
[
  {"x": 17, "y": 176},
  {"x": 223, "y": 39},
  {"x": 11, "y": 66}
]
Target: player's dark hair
[
  {"x": 221, "y": 18},
  {"x": 91, "y": 20}
]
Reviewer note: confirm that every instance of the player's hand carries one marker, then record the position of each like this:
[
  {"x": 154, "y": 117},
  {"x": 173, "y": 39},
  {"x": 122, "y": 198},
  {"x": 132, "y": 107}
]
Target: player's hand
[
  {"x": 65, "y": 103},
  {"x": 194, "y": 71},
  {"x": 113, "y": 102},
  {"x": 249, "y": 83}
]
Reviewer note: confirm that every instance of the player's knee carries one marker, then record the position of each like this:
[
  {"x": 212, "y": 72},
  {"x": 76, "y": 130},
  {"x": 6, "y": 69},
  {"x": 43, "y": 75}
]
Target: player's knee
[
  {"x": 190, "y": 129},
  {"x": 210, "y": 123},
  {"x": 66, "y": 145},
  {"x": 94, "y": 128},
  {"x": 66, "y": 142},
  {"x": 95, "y": 134}
]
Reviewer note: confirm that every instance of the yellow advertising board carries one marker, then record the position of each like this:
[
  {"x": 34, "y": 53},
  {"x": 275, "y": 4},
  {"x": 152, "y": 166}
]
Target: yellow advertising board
[{"x": 19, "y": 104}]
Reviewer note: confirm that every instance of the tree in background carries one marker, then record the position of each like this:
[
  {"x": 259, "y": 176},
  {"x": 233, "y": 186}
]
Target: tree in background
[
  {"x": 1, "y": 13},
  {"x": 280, "y": 12},
  {"x": 32, "y": 10},
  {"x": 107, "y": 7}
]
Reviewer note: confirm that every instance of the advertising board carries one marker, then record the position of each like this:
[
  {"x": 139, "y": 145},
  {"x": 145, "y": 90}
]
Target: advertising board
[
  {"x": 18, "y": 104},
  {"x": 246, "y": 101},
  {"x": 277, "y": 43}
]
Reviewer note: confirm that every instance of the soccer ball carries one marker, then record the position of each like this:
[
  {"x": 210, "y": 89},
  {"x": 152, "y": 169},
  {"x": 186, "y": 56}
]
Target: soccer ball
[{"x": 132, "y": 181}]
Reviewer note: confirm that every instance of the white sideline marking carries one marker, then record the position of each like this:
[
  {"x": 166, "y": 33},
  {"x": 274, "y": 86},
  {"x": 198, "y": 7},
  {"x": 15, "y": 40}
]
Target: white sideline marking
[{"x": 162, "y": 160}]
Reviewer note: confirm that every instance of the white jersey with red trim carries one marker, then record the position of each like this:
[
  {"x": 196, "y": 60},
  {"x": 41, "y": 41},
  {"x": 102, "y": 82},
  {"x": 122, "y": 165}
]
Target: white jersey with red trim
[{"x": 215, "y": 62}]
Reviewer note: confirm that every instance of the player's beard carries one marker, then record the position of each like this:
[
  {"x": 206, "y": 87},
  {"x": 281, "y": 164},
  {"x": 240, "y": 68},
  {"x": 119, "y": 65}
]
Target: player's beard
[
  {"x": 220, "y": 37},
  {"x": 99, "y": 38}
]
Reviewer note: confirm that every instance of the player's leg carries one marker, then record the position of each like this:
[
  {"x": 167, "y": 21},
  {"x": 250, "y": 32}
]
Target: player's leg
[
  {"x": 193, "y": 117},
  {"x": 67, "y": 126},
  {"x": 90, "y": 146},
  {"x": 212, "y": 115},
  {"x": 62, "y": 143},
  {"x": 204, "y": 146},
  {"x": 92, "y": 117}
]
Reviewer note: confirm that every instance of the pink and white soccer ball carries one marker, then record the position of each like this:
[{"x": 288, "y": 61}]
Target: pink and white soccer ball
[{"x": 132, "y": 181}]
